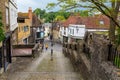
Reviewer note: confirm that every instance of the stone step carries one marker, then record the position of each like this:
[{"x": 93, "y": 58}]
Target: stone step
[
  {"x": 118, "y": 78},
  {"x": 118, "y": 72}
]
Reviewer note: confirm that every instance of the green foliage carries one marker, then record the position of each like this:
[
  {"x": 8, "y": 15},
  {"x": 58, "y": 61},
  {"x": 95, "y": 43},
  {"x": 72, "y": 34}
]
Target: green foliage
[
  {"x": 50, "y": 6},
  {"x": 59, "y": 18},
  {"x": 111, "y": 10},
  {"x": 117, "y": 61},
  {"x": 82, "y": 13},
  {"x": 2, "y": 36},
  {"x": 51, "y": 16},
  {"x": 40, "y": 13},
  {"x": 118, "y": 37},
  {"x": 63, "y": 13}
]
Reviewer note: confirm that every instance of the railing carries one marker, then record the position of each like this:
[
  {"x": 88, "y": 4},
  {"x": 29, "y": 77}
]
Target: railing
[
  {"x": 0, "y": 57},
  {"x": 113, "y": 55},
  {"x": 35, "y": 50}
]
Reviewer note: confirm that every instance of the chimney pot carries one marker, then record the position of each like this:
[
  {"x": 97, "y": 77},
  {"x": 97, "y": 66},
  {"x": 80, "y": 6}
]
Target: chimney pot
[{"x": 30, "y": 8}]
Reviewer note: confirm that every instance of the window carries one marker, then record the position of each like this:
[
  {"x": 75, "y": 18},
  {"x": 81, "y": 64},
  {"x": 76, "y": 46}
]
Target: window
[
  {"x": 101, "y": 22},
  {"x": 20, "y": 20},
  {"x": 25, "y": 41},
  {"x": 25, "y": 28},
  {"x": 77, "y": 29},
  {"x": 64, "y": 32},
  {"x": 7, "y": 16},
  {"x": 73, "y": 31},
  {"x": 38, "y": 34}
]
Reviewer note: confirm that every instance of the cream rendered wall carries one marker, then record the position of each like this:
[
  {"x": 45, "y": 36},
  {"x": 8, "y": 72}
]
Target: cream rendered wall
[{"x": 13, "y": 15}]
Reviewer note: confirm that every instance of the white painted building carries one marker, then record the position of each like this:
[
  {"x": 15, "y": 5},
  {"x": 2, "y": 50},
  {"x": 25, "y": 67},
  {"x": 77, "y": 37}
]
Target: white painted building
[
  {"x": 77, "y": 31},
  {"x": 13, "y": 14},
  {"x": 72, "y": 31},
  {"x": 47, "y": 27}
]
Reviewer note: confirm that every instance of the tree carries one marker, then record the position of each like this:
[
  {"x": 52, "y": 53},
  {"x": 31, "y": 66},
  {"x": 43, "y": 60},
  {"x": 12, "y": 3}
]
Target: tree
[
  {"x": 60, "y": 18},
  {"x": 63, "y": 13},
  {"x": 2, "y": 36},
  {"x": 49, "y": 17},
  {"x": 40, "y": 13},
  {"x": 111, "y": 10},
  {"x": 82, "y": 13},
  {"x": 37, "y": 12}
]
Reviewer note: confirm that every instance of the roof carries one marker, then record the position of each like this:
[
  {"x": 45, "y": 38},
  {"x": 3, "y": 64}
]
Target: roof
[
  {"x": 92, "y": 22},
  {"x": 23, "y": 15},
  {"x": 35, "y": 21},
  {"x": 73, "y": 20}
]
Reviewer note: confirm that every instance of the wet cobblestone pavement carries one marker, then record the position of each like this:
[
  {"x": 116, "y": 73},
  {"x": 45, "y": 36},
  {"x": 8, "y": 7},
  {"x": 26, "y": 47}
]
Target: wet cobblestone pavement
[{"x": 42, "y": 68}]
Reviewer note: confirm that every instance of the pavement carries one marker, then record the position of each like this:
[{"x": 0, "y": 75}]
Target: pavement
[{"x": 42, "y": 67}]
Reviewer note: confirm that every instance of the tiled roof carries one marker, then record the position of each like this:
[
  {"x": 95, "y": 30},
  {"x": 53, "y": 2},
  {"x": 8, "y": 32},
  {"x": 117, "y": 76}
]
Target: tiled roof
[
  {"x": 23, "y": 15},
  {"x": 92, "y": 22},
  {"x": 73, "y": 20},
  {"x": 35, "y": 21}
]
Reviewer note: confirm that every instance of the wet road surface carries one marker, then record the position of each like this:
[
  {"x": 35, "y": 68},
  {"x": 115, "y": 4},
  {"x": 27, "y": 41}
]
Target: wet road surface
[{"x": 43, "y": 68}]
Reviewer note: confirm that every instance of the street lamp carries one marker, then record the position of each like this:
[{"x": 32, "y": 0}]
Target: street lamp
[{"x": 51, "y": 38}]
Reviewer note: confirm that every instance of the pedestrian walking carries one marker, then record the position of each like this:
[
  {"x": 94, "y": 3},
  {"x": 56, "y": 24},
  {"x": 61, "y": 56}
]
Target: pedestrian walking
[
  {"x": 42, "y": 46},
  {"x": 46, "y": 46}
]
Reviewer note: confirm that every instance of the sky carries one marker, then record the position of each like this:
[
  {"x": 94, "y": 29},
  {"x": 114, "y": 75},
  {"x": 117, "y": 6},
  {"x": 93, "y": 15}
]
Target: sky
[{"x": 23, "y": 5}]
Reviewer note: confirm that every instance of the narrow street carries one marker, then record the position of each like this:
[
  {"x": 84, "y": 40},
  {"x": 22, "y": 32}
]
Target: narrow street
[{"x": 42, "y": 68}]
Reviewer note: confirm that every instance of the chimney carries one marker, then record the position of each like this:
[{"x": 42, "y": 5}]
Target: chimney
[{"x": 30, "y": 13}]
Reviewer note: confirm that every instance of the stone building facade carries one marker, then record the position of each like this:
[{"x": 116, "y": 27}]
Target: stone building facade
[
  {"x": 6, "y": 7},
  {"x": 5, "y": 51},
  {"x": 27, "y": 24},
  {"x": 24, "y": 23},
  {"x": 90, "y": 57}
]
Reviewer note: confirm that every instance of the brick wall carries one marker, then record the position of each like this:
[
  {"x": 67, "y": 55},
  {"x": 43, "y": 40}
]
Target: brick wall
[{"x": 3, "y": 5}]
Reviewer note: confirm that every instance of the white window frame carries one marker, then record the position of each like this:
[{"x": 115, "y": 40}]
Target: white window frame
[{"x": 7, "y": 16}]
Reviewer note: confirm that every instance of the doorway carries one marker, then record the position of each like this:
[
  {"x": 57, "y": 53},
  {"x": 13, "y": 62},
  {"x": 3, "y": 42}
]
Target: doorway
[{"x": 7, "y": 52}]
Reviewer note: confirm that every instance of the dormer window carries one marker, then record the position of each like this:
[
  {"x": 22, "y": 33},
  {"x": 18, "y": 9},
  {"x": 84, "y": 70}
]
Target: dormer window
[{"x": 101, "y": 22}]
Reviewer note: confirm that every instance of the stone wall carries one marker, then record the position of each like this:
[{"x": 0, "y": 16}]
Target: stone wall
[
  {"x": 80, "y": 62},
  {"x": 101, "y": 68},
  {"x": 95, "y": 66}
]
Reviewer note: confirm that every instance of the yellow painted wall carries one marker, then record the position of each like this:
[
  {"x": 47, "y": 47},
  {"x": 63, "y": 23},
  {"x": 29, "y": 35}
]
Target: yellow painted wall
[{"x": 21, "y": 34}]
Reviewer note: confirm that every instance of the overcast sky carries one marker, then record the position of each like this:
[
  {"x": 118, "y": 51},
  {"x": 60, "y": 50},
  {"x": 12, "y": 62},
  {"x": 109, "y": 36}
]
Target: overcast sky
[{"x": 23, "y": 5}]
